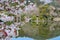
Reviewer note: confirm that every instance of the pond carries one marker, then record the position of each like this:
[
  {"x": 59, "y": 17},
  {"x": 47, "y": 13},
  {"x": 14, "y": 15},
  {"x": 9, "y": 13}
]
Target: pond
[
  {"x": 55, "y": 38},
  {"x": 22, "y": 38}
]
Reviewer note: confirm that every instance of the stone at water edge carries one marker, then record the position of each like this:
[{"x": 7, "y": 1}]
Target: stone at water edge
[{"x": 56, "y": 19}]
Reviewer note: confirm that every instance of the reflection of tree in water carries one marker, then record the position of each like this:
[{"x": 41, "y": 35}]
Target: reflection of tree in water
[{"x": 46, "y": 27}]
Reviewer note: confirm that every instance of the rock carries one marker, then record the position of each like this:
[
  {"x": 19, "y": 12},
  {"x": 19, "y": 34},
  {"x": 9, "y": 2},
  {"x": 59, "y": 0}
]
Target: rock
[{"x": 56, "y": 19}]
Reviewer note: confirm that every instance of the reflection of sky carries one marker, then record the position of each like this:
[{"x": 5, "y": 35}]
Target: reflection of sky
[
  {"x": 56, "y": 38},
  {"x": 22, "y": 38},
  {"x": 46, "y": 1}
]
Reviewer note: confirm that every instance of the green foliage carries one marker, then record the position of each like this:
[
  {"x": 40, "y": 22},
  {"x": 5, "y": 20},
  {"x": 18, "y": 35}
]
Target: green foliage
[
  {"x": 13, "y": 4},
  {"x": 33, "y": 20},
  {"x": 8, "y": 22},
  {"x": 22, "y": 7},
  {"x": 23, "y": 17},
  {"x": 21, "y": 32},
  {"x": 6, "y": 13},
  {"x": 44, "y": 23},
  {"x": 11, "y": 15},
  {"x": 44, "y": 32},
  {"x": 44, "y": 18},
  {"x": 0, "y": 26},
  {"x": 44, "y": 9}
]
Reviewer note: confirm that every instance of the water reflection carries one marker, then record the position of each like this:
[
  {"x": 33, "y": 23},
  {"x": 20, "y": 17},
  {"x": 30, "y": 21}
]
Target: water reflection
[
  {"x": 56, "y": 38},
  {"x": 22, "y": 38}
]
